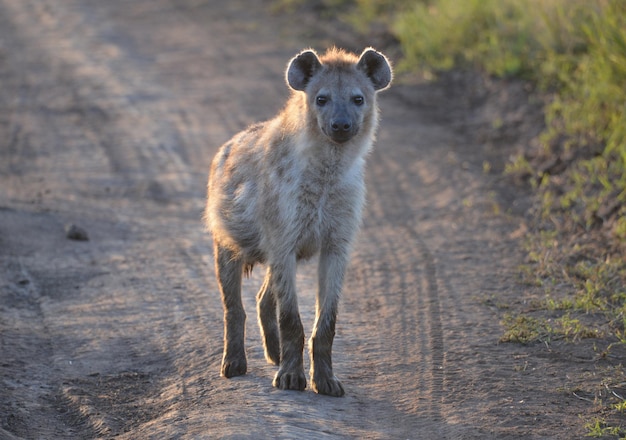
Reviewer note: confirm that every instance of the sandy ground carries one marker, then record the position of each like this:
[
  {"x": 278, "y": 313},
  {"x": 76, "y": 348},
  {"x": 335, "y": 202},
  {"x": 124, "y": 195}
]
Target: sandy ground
[{"x": 110, "y": 112}]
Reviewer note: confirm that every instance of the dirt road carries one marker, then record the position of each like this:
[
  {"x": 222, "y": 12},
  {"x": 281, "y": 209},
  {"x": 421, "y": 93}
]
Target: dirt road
[{"x": 110, "y": 113}]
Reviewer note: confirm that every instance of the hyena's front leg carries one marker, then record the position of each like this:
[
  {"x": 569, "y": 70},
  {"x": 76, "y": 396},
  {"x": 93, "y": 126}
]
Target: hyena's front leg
[
  {"x": 290, "y": 375},
  {"x": 266, "y": 305},
  {"x": 331, "y": 272},
  {"x": 228, "y": 268}
]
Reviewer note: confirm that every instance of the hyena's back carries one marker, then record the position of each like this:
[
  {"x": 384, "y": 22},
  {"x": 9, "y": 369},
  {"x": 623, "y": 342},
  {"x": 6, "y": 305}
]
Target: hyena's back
[
  {"x": 232, "y": 212},
  {"x": 251, "y": 191}
]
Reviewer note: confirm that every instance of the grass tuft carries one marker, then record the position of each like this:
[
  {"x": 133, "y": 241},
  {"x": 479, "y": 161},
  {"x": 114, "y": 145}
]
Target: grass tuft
[
  {"x": 598, "y": 427},
  {"x": 526, "y": 329}
]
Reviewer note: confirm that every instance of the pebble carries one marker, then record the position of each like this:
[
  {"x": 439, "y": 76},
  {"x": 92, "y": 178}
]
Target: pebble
[{"x": 77, "y": 233}]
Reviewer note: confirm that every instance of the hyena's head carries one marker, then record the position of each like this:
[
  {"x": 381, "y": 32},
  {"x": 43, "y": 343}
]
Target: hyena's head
[{"x": 340, "y": 89}]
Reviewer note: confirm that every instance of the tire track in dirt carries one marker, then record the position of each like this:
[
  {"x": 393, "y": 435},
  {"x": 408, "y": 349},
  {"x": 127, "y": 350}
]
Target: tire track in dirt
[
  {"x": 86, "y": 414},
  {"x": 440, "y": 209},
  {"x": 24, "y": 337},
  {"x": 143, "y": 148},
  {"x": 408, "y": 290},
  {"x": 434, "y": 250}
]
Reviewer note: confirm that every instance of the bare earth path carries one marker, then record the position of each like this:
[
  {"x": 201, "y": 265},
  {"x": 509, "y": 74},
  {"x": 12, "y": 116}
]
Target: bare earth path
[{"x": 110, "y": 112}]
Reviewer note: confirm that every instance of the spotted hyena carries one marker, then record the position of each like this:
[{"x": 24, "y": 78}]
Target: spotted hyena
[{"x": 287, "y": 189}]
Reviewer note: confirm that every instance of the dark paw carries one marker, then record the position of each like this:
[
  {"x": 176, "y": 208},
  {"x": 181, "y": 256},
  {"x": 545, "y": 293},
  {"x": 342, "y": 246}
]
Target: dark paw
[
  {"x": 329, "y": 386},
  {"x": 234, "y": 367},
  {"x": 290, "y": 380}
]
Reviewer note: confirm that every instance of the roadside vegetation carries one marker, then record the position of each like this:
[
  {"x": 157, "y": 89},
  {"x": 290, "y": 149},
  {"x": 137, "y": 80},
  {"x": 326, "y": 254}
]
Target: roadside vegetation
[{"x": 573, "y": 52}]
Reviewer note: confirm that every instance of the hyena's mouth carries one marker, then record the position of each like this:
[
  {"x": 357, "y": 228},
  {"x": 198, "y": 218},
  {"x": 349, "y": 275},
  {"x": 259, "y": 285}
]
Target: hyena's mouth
[{"x": 340, "y": 136}]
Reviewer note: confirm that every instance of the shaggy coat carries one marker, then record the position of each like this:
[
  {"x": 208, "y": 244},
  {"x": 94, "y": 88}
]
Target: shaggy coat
[{"x": 285, "y": 190}]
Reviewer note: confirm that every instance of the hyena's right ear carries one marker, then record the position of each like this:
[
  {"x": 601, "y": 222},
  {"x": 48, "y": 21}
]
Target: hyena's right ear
[
  {"x": 376, "y": 67},
  {"x": 302, "y": 68}
]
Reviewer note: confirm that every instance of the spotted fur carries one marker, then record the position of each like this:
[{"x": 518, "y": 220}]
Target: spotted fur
[{"x": 285, "y": 190}]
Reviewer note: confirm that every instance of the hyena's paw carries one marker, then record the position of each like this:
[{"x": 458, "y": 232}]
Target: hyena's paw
[
  {"x": 234, "y": 366},
  {"x": 328, "y": 385},
  {"x": 290, "y": 380}
]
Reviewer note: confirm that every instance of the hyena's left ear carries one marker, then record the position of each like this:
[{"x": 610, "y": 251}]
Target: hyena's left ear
[
  {"x": 301, "y": 69},
  {"x": 376, "y": 67}
]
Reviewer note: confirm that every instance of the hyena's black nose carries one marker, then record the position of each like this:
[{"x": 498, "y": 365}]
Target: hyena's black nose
[{"x": 341, "y": 125}]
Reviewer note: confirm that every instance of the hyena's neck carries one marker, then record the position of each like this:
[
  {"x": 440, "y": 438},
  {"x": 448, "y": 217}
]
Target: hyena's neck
[{"x": 293, "y": 116}]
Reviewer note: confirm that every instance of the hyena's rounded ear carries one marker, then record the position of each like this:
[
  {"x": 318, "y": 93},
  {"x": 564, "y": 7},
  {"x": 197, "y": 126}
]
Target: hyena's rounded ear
[
  {"x": 376, "y": 67},
  {"x": 301, "y": 69}
]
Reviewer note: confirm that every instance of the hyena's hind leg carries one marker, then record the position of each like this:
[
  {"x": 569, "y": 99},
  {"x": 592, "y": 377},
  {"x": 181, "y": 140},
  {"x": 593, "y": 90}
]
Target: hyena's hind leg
[
  {"x": 266, "y": 306},
  {"x": 229, "y": 268}
]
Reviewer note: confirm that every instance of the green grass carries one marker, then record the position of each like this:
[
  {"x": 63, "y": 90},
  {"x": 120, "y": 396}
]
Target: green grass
[
  {"x": 444, "y": 34},
  {"x": 526, "y": 329},
  {"x": 598, "y": 427},
  {"x": 575, "y": 282}
]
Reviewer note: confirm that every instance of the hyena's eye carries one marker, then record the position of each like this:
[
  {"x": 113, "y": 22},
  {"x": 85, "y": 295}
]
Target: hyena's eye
[
  {"x": 358, "y": 100},
  {"x": 321, "y": 100}
]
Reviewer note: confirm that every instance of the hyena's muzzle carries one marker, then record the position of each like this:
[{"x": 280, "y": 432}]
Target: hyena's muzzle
[{"x": 340, "y": 121}]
